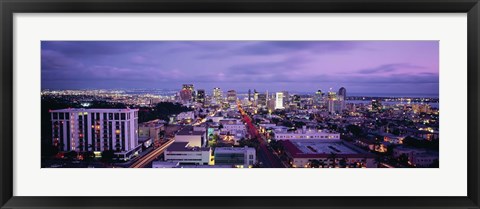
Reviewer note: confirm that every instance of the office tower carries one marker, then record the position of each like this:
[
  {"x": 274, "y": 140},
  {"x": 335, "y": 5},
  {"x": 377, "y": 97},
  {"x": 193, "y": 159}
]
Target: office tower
[
  {"x": 201, "y": 96},
  {"x": 249, "y": 95},
  {"x": 85, "y": 130},
  {"x": 231, "y": 96},
  {"x": 331, "y": 102},
  {"x": 262, "y": 100},
  {"x": 217, "y": 95},
  {"x": 279, "y": 100},
  {"x": 318, "y": 97},
  {"x": 187, "y": 93},
  {"x": 342, "y": 97},
  {"x": 296, "y": 100},
  {"x": 286, "y": 99}
]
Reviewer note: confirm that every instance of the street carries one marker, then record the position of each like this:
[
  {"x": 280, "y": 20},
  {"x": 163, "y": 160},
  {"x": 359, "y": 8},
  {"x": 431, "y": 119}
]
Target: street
[{"x": 264, "y": 155}]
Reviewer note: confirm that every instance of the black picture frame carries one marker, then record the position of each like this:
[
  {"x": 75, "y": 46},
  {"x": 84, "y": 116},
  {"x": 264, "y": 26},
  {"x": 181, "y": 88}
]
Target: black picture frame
[{"x": 10, "y": 7}]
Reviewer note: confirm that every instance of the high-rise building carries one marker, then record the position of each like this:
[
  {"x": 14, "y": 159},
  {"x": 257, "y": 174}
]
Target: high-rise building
[
  {"x": 262, "y": 100},
  {"x": 296, "y": 100},
  {"x": 279, "y": 100},
  {"x": 231, "y": 96},
  {"x": 332, "y": 102},
  {"x": 201, "y": 96},
  {"x": 249, "y": 95},
  {"x": 286, "y": 99},
  {"x": 83, "y": 130},
  {"x": 318, "y": 97},
  {"x": 217, "y": 95},
  {"x": 187, "y": 94},
  {"x": 342, "y": 97},
  {"x": 255, "y": 95}
]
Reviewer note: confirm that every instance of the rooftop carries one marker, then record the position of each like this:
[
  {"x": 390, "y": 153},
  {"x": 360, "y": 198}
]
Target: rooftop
[
  {"x": 189, "y": 130},
  {"x": 93, "y": 110},
  {"x": 232, "y": 149},
  {"x": 183, "y": 146},
  {"x": 322, "y": 149}
]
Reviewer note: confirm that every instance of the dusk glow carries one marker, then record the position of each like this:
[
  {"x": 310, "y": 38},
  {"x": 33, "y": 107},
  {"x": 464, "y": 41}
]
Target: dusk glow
[{"x": 362, "y": 67}]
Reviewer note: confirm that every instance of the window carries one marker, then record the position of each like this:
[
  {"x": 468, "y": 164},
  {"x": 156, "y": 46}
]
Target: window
[
  {"x": 122, "y": 116},
  {"x": 117, "y": 116},
  {"x": 55, "y": 115},
  {"x": 250, "y": 157}
]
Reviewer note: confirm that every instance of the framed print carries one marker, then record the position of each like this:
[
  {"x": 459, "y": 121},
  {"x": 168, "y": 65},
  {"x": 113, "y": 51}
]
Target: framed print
[{"x": 258, "y": 104}]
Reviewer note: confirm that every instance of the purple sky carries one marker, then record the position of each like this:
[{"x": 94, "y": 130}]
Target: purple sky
[{"x": 298, "y": 66}]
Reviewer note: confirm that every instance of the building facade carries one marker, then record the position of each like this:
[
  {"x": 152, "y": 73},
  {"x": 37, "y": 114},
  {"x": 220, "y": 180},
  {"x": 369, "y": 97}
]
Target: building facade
[
  {"x": 83, "y": 130},
  {"x": 183, "y": 153},
  {"x": 312, "y": 134},
  {"x": 195, "y": 136},
  {"x": 279, "y": 100},
  {"x": 240, "y": 157}
]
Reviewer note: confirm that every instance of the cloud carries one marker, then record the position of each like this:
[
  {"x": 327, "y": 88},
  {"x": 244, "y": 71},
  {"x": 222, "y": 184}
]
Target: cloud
[
  {"x": 261, "y": 68},
  {"x": 265, "y": 48},
  {"x": 389, "y": 68},
  {"x": 279, "y": 47},
  {"x": 54, "y": 61}
]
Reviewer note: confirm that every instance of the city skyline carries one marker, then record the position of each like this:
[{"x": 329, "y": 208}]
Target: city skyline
[{"x": 378, "y": 67}]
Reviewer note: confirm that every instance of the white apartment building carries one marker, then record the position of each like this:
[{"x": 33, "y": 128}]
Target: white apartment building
[
  {"x": 81, "y": 130},
  {"x": 182, "y": 153},
  {"x": 282, "y": 134},
  {"x": 240, "y": 157}
]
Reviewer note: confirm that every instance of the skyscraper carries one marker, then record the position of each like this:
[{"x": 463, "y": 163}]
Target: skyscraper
[
  {"x": 296, "y": 100},
  {"x": 249, "y": 95},
  {"x": 318, "y": 97},
  {"x": 279, "y": 100},
  {"x": 201, "y": 96},
  {"x": 187, "y": 93},
  {"x": 286, "y": 99},
  {"x": 231, "y": 96},
  {"x": 217, "y": 95},
  {"x": 262, "y": 100},
  {"x": 342, "y": 97},
  {"x": 331, "y": 102}
]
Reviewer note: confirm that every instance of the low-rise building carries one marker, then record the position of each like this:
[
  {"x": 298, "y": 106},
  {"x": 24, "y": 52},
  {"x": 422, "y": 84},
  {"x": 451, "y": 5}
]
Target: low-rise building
[
  {"x": 240, "y": 157},
  {"x": 196, "y": 136},
  {"x": 328, "y": 153},
  {"x": 183, "y": 153},
  {"x": 417, "y": 157},
  {"x": 305, "y": 133},
  {"x": 151, "y": 129}
]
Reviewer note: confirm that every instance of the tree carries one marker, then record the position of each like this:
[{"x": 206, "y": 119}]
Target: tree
[
  {"x": 314, "y": 163},
  {"x": 322, "y": 164},
  {"x": 403, "y": 159},
  {"x": 71, "y": 155},
  {"x": 377, "y": 160},
  {"x": 107, "y": 156},
  {"x": 88, "y": 157},
  {"x": 333, "y": 157},
  {"x": 355, "y": 130},
  {"x": 342, "y": 163}
]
